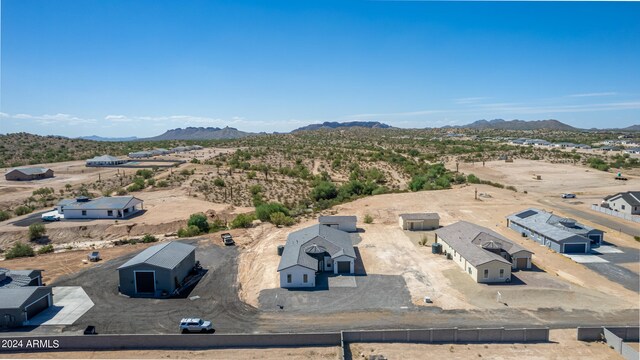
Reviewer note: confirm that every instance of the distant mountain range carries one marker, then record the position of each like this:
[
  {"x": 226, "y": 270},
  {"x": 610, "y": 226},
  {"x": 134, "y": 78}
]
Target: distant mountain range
[
  {"x": 100, "y": 138},
  {"x": 632, "y": 128},
  {"x": 517, "y": 125},
  {"x": 335, "y": 125},
  {"x": 201, "y": 133}
]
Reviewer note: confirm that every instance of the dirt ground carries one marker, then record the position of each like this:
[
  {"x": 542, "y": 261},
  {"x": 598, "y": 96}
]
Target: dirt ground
[
  {"x": 563, "y": 345},
  {"x": 262, "y": 353}
]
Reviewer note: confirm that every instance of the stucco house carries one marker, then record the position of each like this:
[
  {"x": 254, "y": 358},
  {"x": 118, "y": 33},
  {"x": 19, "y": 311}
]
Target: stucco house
[
  {"x": 485, "y": 255},
  {"x": 563, "y": 235},
  {"x": 625, "y": 202},
  {"x": 114, "y": 207},
  {"x": 419, "y": 221},
  {"x": 312, "y": 250},
  {"x": 158, "y": 270},
  {"x": 28, "y": 173},
  {"x": 344, "y": 223}
]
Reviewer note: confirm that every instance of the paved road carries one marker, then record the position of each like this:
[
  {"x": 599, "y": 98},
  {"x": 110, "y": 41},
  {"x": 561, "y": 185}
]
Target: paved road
[{"x": 612, "y": 223}]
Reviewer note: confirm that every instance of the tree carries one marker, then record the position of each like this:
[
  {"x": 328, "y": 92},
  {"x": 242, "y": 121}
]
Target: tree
[
  {"x": 200, "y": 221},
  {"x": 324, "y": 190},
  {"x": 36, "y": 231},
  {"x": 264, "y": 211},
  {"x": 242, "y": 221},
  {"x": 20, "y": 250},
  {"x": 278, "y": 219}
]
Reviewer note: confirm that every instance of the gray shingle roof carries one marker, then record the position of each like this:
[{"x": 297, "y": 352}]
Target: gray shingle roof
[
  {"x": 108, "y": 203},
  {"x": 17, "y": 278},
  {"x": 30, "y": 170},
  {"x": 15, "y": 298},
  {"x": 337, "y": 218},
  {"x": 166, "y": 255},
  {"x": 104, "y": 158},
  {"x": 631, "y": 197},
  {"x": 420, "y": 216},
  {"x": 551, "y": 226},
  {"x": 467, "y": 239},
  {"x": 336, "y": 242}
]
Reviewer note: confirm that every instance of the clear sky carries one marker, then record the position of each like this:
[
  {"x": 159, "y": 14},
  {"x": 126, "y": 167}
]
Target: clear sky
[{"x": 138, "y": 68}]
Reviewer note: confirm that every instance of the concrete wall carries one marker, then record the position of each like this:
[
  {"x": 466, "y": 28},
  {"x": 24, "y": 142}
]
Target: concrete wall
[
  {"x": 617, "y": 343},
  {"x": 451, "y": 335},
  {"x": 628, "y": 217},
  {"x": 297, "y": 276},
  {"x": 627, "y": 333}
]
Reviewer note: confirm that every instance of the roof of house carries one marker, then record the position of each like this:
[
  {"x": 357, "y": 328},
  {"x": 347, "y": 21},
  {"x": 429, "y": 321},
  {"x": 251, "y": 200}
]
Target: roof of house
[
  {"x": 314, "y": 240},
  {"x": 337, "y": 218},
  {"x": 17, "y": 278},
  {"x": 472, "y": 241},
  {"x": 630, "y": 197},
  {"x": 103, "y": 203},
  {"x": 551, "y": 226},
  {"x": 166, "y": 255},
  {"x": 420, "y": 216},
  {"x": 104, "y": 158},
  {"x": 30, "y": 170},
  {"x": 15, "y": 298}
]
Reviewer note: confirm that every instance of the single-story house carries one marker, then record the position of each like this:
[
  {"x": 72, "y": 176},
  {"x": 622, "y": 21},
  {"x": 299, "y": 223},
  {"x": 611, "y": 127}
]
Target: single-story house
[
  {"x": 625, "y": 202},
  {"x": 140, "y": 154},
  {"x": 635, "y": 150},
  {"x": 315, "y": 249},
  {"x": 180, "y": 149},
  {"x": 114, "y": 207},
  {"x": 485, "y": 255},
  {"x": 419, "y": 221},
  {"x": 20, "y": 304},
  {"x": 563, "y": 235},
  {"x": 28, "y": 173},
  {"x": 158, "y": 270},
  {"x": 344, "y": 223},
  {"x": 105, "y": 160},
  {"x": 159, "y": 151},
  {"x": 19, "y": 278}
]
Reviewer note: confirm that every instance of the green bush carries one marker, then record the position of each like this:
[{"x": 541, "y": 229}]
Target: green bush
[
  {"x": 218, "y": 182},
  {"x": 148, "y": 238},
  {"x": 4, "y": 215},
  {"x": 20, "y": 250},
  {"x": 195, "y": 161},
  {"x": 217, "y": 225},
  {"x": 151, "y": 182},
  {"x": 22, "y": 210},
  {"x": 264, "y": 211},
  {"x": 368, "y": 219},
  {"x": 162, "y": 183},
  {"x": 472, "y": 179},
  {"x": 45, "y": 249},
  {"x": 242, "y": 221},
  {"x": 200, "y": 221},
  {"x": 121, "y": 192},
  {"x": 144, "y": 173},
  {"x": 324, "y": 190},
  {"x": 36, "y": 231},
  {"x": 189, "y": 231},
  {"x": 278, "y": 219}
]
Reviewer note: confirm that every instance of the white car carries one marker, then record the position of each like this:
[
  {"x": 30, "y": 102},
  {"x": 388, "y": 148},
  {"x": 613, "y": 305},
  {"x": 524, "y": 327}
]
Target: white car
[
  {"x": 568, "y": 196},
  {"x": 195, "y": 325}
]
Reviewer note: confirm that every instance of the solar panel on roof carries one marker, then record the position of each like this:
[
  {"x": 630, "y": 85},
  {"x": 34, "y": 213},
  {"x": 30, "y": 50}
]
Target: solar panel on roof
[{"x": 526, "y": 214}]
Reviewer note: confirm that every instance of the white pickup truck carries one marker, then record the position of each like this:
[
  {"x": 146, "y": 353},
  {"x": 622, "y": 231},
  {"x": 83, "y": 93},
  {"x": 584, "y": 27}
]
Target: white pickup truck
[{"x": 195, "y": 325}]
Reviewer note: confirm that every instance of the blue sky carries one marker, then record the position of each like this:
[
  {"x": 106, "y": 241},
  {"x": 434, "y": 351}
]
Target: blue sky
[{"x": 138, "y": 68}]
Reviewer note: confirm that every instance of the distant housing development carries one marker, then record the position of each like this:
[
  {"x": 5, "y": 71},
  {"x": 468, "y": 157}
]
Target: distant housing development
[
  {"x": 115, "y": 207},
  {"x": 312, "y": 250},
  {"x": 28, "y": 173},
  {"x": 624, "y": 202},
  {"x": 485, "y": 255},
  {"x": 157, "y": 271},
  {"x": 105, "y": 160},
  {"x": 563, "y": 235},
  {"x": 419, "y": 221}
]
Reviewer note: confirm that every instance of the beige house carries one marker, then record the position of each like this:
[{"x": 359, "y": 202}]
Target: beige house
[
  {"x": 419, "y": 221},
  {"x": 485, "y": 255}
]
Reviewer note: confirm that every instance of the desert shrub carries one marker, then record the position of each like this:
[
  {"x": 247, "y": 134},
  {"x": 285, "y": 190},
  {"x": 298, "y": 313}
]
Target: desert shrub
[
  {"x": 217, "y": 225},
  {"x": 324, "y": 190},
  {"x": 20, "y": 250},
  {"x": 264, "y": 211},
  {"x": 144, "y": 173},
  {"x": 189, "y": 231},
  {"x": 256, "y": 189},
  {"x": 251, "y": 175},
  {"x": 218, "y": 182},
  {"x": 200, "y": 221},
  {"x": 195, "y": 161},
  {"x": 185, "y": 172},
  {"x": 45, "y": 249},
  {"x": 121, "y": 192},
  {"x": 242, "y": 221},
  {"x": 22, "y": 210},
  {"x": 162, "y": 183},
  {"x": 598, "y": 163},
  {"x": 512, "y": 188},
  {"x": 368, "y": 219},
  {"x": 36, "y": 231},
  {"x": 279, "y": 219},
  {"x": 472, "y": 179},
  {"x": 148, "y": 238},
  {"x": 4, "y": 215},
  {"x": 151, "y": 182}
]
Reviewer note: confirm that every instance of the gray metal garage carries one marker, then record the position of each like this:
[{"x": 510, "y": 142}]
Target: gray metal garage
[
  {"x": 344, "y": 267},
  {"x": 157, "y": 271},
  {"x": 575, "y": 248},
  {"x": 21, "y": 304}
]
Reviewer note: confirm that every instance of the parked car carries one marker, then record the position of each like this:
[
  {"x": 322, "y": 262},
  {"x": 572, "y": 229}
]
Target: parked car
[
  {"x": 227, "y": 239},
  {"x": 195, "y": 325},
  {"x": 94, "y": 256},
  {"x": 49, "y": 217},
  {"x": 568, "y": 196}
]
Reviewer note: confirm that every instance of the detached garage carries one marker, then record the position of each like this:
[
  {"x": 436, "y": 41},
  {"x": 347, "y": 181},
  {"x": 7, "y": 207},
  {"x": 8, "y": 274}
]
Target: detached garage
[
  {"x": 419, "y": 221},
  {"x": 157, "y": 271},
  {"x": 19, "y": 305},
  {"x": 344, "y": 223}
]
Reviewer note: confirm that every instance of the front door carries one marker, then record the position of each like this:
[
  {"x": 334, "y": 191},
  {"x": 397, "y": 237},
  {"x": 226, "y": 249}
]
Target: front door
[{"x": 321, "y": 265}]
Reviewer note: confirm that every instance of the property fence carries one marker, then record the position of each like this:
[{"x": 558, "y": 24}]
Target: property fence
[
  {"x": 617, "y": 343},
  {"x": 634, "y": 218},
  {"x": 615, "y": 337}
]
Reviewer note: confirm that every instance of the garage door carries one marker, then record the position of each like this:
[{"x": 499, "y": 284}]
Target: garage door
[
  {"x": 575, "y": 248},
  {"x": 521, "y": 263},
  {"x": 145, "y": 282},
  {"x": 35, "y": 308},
  {"x": 344, "y": 267}
]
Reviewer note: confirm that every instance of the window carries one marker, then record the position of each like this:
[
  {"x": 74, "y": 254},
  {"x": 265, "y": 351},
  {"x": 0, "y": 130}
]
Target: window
[
  {"x": 469, "y": 270},
  {"x": 289, "y": 278},
  {"x": 501, "y": 273},
  {"x": 109, "y": 212},
  {"x": 622, "y": 206},
  {"x": 84, "y": 212},
  {"x": 305, "y": 278},
  {"x": 486, "y": 273}
]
